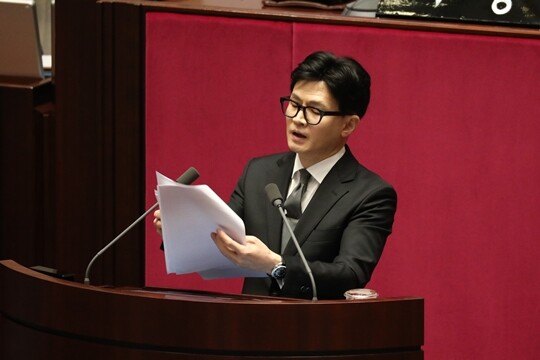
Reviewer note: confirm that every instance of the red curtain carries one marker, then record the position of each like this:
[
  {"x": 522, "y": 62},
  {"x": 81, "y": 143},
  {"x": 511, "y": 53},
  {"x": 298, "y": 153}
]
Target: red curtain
[{"x": 453, "y": 124}]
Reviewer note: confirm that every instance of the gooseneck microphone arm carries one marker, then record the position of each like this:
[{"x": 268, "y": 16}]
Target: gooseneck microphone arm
[
  {"x": 188, "y": 177},
  {"x": 274, "y": 195}
]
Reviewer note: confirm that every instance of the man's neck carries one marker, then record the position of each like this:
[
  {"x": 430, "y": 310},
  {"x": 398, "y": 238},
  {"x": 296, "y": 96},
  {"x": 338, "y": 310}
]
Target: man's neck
[
  {"x": 308, "y": 162},
  {"x": 317, "y": 167}
]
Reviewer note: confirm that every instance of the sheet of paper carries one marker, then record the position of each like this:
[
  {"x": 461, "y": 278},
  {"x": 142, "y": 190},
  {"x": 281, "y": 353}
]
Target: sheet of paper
[{"x": 189, "y": 213}]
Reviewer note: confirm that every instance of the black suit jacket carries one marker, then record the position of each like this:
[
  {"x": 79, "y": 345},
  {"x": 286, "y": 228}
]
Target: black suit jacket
[{"x": 342, "y": 231}]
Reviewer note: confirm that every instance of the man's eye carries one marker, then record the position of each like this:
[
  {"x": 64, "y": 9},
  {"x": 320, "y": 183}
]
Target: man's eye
[{"x": 314, "y": 111}]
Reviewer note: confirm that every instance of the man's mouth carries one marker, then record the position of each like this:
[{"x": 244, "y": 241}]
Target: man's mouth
[{"x": 298, "y": 134}]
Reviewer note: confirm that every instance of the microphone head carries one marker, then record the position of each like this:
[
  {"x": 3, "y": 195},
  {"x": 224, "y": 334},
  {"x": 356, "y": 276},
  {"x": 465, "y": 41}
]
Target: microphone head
[
  {"x": 188, "y": 177},
  {"x": 274, "y": 195}
]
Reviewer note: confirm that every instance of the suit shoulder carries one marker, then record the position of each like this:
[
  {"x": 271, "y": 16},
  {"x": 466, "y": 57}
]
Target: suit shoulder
[
  {"x": 352, "y": 170},
  {"x": 368, "y": 174},
  {"x": 270, "y": 159}
]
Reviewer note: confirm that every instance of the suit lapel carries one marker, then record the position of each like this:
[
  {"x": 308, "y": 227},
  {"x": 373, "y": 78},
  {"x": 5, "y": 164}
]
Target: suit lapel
[
  {"x": 334, "y": 186},
  {"x": 280, "y": 175}
]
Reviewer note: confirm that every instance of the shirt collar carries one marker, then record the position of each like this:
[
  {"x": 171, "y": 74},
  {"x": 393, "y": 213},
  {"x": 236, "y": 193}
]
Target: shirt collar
[{"x": 319, "y": 170}]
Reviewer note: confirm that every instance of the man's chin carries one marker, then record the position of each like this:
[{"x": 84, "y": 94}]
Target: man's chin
[{"x": 295, "y": 147}]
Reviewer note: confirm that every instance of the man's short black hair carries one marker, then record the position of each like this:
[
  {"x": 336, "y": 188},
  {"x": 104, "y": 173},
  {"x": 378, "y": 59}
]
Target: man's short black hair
[{"x": 348, "y": 82}]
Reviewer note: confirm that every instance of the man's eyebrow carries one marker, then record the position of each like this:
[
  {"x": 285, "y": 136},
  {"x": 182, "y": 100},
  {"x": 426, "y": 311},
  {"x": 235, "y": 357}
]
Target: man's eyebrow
[{"x": 313, "y": 103}]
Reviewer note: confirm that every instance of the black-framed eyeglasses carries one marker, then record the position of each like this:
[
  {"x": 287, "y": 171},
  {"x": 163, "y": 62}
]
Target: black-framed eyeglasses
[{"x": 312, "y": 115}]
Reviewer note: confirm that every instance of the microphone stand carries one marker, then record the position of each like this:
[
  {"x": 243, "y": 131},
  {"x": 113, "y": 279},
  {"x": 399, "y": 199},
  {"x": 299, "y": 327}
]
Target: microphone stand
[
  {"x": 189, "y": 176},
  {"x": 278, "y": 204},
  {"x": 87, "y": 273}
]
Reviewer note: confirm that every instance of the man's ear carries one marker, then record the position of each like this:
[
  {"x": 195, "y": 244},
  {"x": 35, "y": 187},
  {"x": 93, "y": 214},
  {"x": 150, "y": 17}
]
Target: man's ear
[{"x": 350, "y": 125}]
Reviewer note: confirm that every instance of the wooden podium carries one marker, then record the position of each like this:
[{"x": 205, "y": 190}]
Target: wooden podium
[{"x": 43, "y": 317}]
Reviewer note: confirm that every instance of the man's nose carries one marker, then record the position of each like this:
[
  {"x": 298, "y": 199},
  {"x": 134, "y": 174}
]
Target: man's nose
[{"x": 301, "y": 117}]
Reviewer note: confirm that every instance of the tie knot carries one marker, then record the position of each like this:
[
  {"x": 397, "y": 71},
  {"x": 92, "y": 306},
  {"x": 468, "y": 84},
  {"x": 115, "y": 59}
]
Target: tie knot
[
  {"x": 293, "y": 204},
  {"x": 304, "y": 176}
]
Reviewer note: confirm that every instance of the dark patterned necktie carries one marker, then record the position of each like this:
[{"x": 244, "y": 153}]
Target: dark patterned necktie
[{"x": 294, "y": 200}]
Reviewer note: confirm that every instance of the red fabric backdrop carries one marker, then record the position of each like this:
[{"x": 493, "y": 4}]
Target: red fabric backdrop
[{"x": 453, "y": 125}]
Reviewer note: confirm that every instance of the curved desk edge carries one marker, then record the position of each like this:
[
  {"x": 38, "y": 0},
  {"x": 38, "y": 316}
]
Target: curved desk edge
[{"x": 198, "y": 324}]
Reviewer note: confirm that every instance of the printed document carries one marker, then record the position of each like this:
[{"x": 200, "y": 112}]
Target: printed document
[{"x": 189, "y": 213}]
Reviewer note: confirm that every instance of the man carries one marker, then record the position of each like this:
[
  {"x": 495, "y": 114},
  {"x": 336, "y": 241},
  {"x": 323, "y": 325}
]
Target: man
[{"x": 345, "y": 212}]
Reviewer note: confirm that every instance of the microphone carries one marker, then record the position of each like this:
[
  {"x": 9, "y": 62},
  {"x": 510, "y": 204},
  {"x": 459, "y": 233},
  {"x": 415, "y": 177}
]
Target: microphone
[
  {"x": 274, "y": 195},
  {"x": 188, "y": 177}
]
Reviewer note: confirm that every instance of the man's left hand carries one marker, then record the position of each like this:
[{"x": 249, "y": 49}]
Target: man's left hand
[{"x": 254, "y": 254}]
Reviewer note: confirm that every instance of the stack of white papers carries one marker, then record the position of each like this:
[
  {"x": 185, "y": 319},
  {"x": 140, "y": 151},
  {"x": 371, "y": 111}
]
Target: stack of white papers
[{"x": 189, "y": 214}]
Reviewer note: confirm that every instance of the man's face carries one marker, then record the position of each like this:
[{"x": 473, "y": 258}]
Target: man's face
[{"x": 314, "y": 143}]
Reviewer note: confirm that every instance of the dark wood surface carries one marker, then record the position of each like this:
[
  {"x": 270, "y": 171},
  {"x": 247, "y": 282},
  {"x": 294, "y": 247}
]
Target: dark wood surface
[
  {"x": 122, "y": 83},
  {"x": 59, "y": 317},
  {"x": 81, "y": 201},
  {"x": 27, "y": 158},
  {"x": 100, "y": 131}
]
